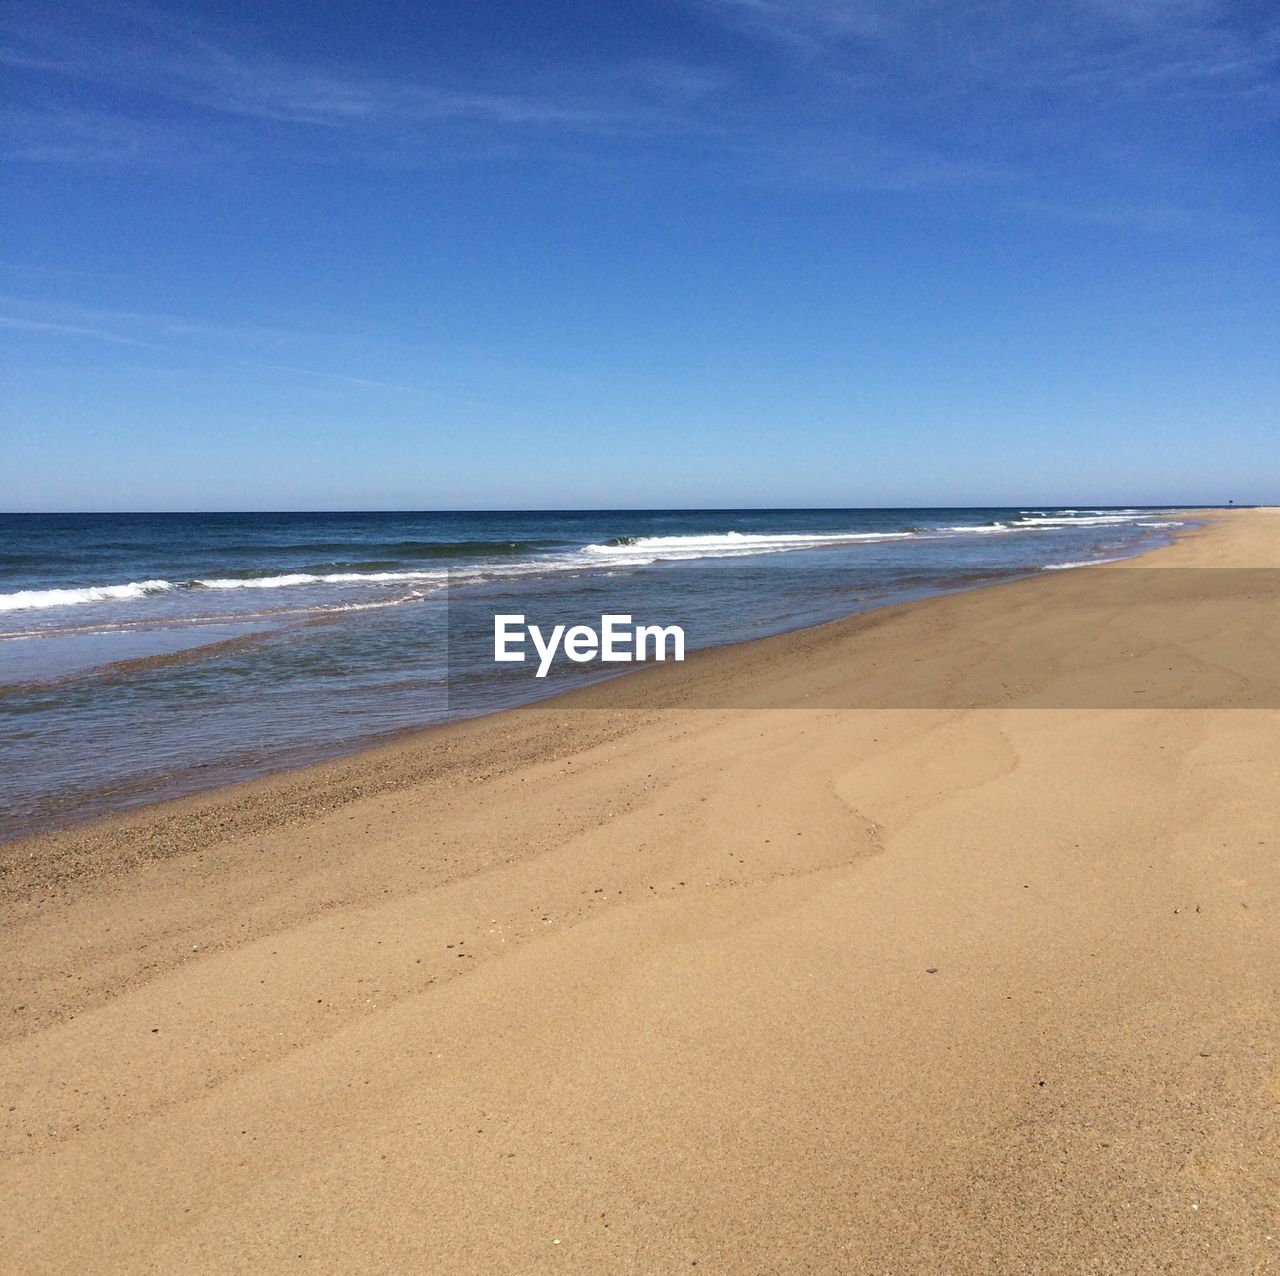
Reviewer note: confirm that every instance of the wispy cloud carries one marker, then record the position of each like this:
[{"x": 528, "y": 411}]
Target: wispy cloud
[
  {"x": 184, "y": 336},
  {"x": 367, "y": 382},
  {"x": 172, "y": 58},
  {"x": 195, "y": 342},
  {"x": 848, "y": 95},
  {"x": 1089, "y": 48},
  {"x": 1107, "y": 107},
  {"x": 61, "y": 134},
  {"x": 809, "y": 25},
  {"x": 142, "y": 328},
  {"x": 162, "y": 89},
  {"x": 19, "y": 324}
]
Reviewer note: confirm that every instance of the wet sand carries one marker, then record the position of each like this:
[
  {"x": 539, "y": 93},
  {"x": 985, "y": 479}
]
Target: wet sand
[{"x": 940, "y": 939}]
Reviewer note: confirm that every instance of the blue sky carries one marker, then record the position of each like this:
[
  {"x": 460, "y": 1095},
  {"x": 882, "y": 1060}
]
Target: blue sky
[{"x": 684, "y": 253}]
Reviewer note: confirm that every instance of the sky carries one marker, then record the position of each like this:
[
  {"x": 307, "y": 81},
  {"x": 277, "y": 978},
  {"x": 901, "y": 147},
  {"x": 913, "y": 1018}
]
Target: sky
[{"x": 670, "y": 253}]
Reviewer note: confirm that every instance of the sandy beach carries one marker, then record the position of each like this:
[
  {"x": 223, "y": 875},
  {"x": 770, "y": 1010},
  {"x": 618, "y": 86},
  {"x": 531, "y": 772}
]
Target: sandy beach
[{"x": 941, "y": 939}]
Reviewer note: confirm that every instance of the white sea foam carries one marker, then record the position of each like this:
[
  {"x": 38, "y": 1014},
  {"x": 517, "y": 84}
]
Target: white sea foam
[
  {"x": 306, "y": 578},
  {"x": 1057, "y": 513},
  {"x": 1083, "y": 562},
  {"x": 732, "y": 544},
  {"x": 637, "y": 551},
  {"x": 36, "y": 599},
  {"x": 1082, "y": 520},
  {"x": 27, "y": 599}
]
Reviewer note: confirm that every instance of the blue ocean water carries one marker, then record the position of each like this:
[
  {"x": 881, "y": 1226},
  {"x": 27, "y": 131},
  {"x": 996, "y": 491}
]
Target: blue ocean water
[{"x": 148, "y": 654}]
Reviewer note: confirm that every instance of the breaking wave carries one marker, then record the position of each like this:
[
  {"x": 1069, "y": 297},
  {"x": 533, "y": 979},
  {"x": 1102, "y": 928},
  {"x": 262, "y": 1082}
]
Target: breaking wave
[
  {"x": 35, "y": 599},
  {"x": 729, "y": 544},
  {"x": 420, "y": 562}
]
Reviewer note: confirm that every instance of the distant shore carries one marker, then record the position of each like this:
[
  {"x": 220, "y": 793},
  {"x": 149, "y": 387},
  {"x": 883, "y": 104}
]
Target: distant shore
[{"x": 941, "y": 938}]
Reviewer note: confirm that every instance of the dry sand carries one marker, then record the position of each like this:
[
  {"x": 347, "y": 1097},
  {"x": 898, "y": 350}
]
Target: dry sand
[{"x": 963, "y": 959}]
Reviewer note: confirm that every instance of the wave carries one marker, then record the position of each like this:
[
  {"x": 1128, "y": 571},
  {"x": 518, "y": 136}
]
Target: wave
[
  {"x": 25, "y": 599},
  {"x": 727, "y": 544},
  {"x": 308, "y": 578},
  {"x": 337, "y": 552},
  {"x": 724, "y": 544},
  {"x": 1083, "y": 562},
  {"x": 1058, "y": 512},
  {"x": 518, "y": 558},
  {"x": 462, "y": 549},
  {"x": 1077, "y": 520},
  {"x": 397, "y": 556},
  {"x": 37, "y": 599}
]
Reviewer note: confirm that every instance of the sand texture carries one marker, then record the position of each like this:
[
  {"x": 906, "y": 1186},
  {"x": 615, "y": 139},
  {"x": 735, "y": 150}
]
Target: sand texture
[{"x": 944, "y": 939}]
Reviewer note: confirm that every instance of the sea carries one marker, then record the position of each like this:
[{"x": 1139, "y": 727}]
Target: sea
[{"x": 150, "y": 655}]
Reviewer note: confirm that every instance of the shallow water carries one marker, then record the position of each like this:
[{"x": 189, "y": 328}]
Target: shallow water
[{"x": 143, "y": 655}]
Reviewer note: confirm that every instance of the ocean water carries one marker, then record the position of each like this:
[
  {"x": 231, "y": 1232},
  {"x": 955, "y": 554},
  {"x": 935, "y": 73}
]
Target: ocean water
[{"x": 152, "y": 654}]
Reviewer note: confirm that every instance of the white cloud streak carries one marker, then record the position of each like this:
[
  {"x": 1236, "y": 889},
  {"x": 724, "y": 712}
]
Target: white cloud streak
[
  {"x": 1087, "y": 49},
  {"x": 167, "y": 58},
  {"x": 847, "y": 95},
  {"x": 18, "y": 324}
]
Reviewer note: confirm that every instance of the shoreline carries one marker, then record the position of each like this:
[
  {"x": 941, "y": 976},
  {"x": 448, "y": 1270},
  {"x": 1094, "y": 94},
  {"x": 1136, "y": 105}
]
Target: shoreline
[
  {"x": 939, "y": 938},
  {"x": 177, "y": 787}
]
